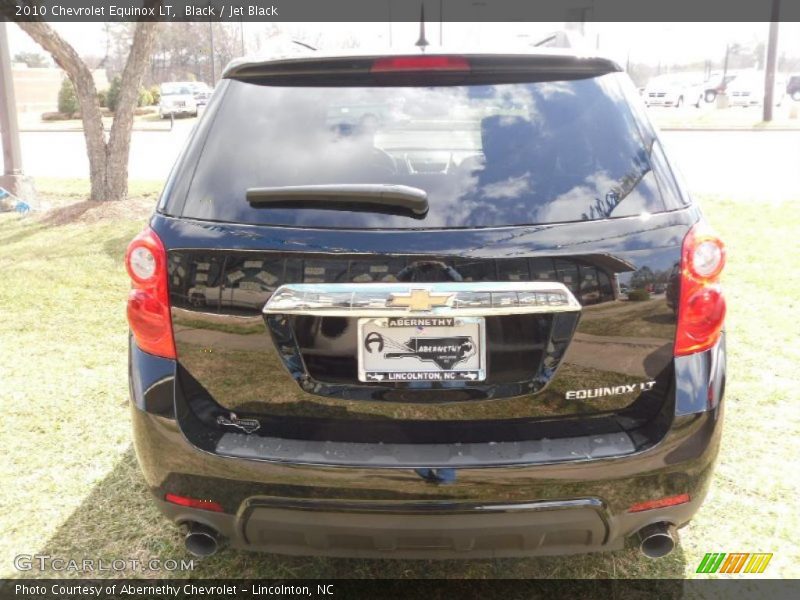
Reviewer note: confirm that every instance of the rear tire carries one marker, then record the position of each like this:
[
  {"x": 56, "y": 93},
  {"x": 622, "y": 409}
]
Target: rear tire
[{"x": 679, "y": 103}]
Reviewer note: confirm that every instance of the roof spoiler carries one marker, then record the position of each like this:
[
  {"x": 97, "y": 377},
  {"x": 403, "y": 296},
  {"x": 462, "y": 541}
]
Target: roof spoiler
[{"x": 322, "y": 70}]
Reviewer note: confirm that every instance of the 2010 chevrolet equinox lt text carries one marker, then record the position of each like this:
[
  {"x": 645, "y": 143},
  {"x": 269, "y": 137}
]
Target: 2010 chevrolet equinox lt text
[{"x": 426, "y": 305}]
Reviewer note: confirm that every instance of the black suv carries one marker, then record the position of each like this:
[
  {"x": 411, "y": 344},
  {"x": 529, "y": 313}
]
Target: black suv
[
  {"x": 378, "y": 312},
  {"x": 793, "y": 87}
]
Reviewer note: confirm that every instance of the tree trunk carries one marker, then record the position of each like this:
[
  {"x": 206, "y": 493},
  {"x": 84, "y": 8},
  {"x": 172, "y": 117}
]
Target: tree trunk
[
  {"x": 108, "y": 160},
  {"x": 119, "y": 140}
]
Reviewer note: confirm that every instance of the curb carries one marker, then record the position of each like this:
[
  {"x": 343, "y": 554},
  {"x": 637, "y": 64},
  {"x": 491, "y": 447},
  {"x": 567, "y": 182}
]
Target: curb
[{"x": 80, "y": 130}]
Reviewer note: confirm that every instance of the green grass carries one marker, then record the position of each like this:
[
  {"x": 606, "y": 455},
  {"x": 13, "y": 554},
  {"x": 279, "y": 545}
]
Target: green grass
[{"x": 71, "y": 487}]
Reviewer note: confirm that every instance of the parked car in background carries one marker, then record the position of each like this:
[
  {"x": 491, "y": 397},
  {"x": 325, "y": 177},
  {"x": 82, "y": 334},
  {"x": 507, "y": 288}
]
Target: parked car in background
[
  {"x": 202, "y": 92},
  {"x": 748, "y": 89},
  {"x": 675, "y": 90},
  {"x": 362, "y": 314},
  {"x": 793, "y": 87},
  {"x": 177, "y": 98},
  {"x": 716, "y": 84}
]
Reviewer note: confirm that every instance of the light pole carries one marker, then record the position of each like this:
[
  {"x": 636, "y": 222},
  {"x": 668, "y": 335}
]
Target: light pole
[
  {"x": 441, "y": 23},
  {"x": 772, "y": 53},
  {"x": 389, "y": 8},
  {"x": 12, "y": 178},
  {"x": 211, "y": 44}
]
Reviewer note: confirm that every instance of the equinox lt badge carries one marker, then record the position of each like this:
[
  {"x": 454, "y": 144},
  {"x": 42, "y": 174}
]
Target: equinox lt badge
[{"x": 628, "y": 388}]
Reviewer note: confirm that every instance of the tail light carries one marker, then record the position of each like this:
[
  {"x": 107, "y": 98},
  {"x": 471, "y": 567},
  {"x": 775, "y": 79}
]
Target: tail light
[
  {"x": 148, "y": 303},
  {"x": 660, "y": 503},
  {"x": 420, "y": 63},
  {"x": 701, "y": 308},
  {"x": 194, "y": 502}
]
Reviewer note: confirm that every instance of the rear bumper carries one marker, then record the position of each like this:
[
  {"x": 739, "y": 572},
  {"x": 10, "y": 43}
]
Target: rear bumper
[
  {"x": 403, "y": 532},
  {"x": 181, "y": 110},
  {"x": 379, "y": 512},
  {"x": 666, "y": 100},
  {"x": 463, "y": 512}
]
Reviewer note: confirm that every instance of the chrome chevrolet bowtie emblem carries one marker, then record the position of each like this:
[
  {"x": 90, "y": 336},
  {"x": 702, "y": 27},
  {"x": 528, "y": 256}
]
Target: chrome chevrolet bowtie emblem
[{"x": 419, "y": 300}]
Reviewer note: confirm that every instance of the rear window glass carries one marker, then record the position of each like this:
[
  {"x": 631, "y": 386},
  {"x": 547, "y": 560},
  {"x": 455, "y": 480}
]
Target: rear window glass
[{"x": 487, "y": 155}]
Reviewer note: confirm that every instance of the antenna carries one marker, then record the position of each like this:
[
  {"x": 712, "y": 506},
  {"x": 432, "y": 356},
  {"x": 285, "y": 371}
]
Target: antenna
[
  {"x": 304, "y": 45},
  {"x": 422, "y": 42}
]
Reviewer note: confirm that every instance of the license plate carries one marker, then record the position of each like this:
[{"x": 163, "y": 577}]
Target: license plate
[{"x": 409, "y": 349}]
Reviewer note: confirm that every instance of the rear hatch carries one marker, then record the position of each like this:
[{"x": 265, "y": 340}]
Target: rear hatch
[{"x": 526, "y": 299}]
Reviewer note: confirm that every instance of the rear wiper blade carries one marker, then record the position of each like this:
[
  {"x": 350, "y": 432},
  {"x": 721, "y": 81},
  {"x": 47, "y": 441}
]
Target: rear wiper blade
[
  {"x": 545, "y": 41},
  {"x": 375, "y": 197}
]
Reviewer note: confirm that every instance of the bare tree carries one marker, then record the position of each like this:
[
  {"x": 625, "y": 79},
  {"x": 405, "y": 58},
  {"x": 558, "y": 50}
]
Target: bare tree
[
  {"x": 33, "y": 60},
  {"x": 108, "y": 158},
  {"x": 183, "y": 51}
]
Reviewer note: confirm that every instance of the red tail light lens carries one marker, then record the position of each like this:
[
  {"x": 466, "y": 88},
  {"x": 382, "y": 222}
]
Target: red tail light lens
[
  {"x": 148, "y": 303},
  {"x": 420, "y": 63},
  {"x": 660, "y": 503},
  {"x": 194, "y": 502},
  {"x": 701, "y": 309}
]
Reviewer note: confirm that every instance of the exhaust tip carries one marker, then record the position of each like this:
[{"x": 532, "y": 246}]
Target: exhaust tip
[
  {"x": 657, "y": 540},
  {"x": 202, "y": 541}
]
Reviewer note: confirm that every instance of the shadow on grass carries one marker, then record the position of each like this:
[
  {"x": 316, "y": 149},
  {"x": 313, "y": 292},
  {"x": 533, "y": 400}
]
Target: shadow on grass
[
  {"x": 115, "y": 247},
  {"x": 19, "y": 236},
  {"x": 117, "y": 520},
  {"x": 660, "y": 318}
]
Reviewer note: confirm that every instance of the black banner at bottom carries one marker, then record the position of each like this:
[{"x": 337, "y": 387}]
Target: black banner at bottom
[{"x": 429, "y": 589}]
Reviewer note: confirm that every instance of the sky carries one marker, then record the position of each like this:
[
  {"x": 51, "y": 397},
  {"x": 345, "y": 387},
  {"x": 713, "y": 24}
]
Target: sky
[{"x": 668, "y": 43}]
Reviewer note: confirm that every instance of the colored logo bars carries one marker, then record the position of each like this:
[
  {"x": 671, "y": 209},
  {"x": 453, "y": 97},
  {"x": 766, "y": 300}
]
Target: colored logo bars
[{"x": 720, "y": 562}]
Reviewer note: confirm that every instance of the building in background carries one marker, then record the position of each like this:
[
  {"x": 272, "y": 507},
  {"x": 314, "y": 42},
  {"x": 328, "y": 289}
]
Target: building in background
[{"x": 37, "y": 88}]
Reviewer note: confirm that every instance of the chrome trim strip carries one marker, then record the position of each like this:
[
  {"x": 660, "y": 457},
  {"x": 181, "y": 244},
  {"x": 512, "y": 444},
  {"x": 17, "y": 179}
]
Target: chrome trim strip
[{"x": 457, "y": 298}]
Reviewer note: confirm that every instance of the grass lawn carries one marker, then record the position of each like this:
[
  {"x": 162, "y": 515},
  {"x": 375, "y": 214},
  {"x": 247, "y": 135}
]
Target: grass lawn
[{"x": 71, "y": 487}]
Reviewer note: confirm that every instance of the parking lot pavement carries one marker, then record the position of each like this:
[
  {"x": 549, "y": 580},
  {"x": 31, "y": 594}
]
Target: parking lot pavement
[
  {"x": 752, "y": 164},
  {"x": 757, "y": 164},
  {"x": 62, "y": 154}
]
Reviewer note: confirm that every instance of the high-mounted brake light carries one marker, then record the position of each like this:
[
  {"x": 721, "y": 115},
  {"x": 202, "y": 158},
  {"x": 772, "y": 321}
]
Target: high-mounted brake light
[
  {"x": 420, "y": 63},
  {"x": 194, "y": 502},
  {"x": 148, "y": 302},
  {"x": 701, "y": 309}
]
